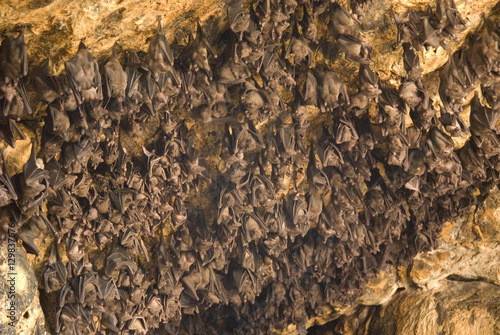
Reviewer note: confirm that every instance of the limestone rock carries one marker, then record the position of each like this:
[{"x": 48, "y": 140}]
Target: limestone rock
[
  {"x": 15, "y": 158},
  {"x": 19, "y": 292},
  {"x": 380, "y": 32},
  {"x": 130, "y": 23},
  {"x": 380, "y": 289},
  {"x": 469, "y": 251},
  {"x": 453, "y": 289},
  {"x": 456, "y": 308}
]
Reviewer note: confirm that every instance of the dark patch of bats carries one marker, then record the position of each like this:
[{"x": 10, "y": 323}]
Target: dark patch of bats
[{"x": 248, "y": 255}]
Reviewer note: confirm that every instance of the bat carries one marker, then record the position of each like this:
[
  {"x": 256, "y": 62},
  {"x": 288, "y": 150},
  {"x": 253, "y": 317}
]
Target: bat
[
  {"x": 261, "y": 11},
  {"x": 453, "y": 123},
  {"x": 438, "y": 144},
  {"x": 341, "y": 21},
  {"x": 84, "y": 76},
  {"x": 316, "y": 178},
  {"x": 54, "y": 273},
  {"x": 118, "y": 260},
  {"x": 159, "y": 56},
  {"x": 368, "y": 81},
  {"x": 7, "y": 190},
  {"x": 115, "y": 78},
  {"x": 253, "y": 102},
  {"x": 355, "y": 49},
  {"x": 411, "y": 62},
  {"x": 345, "y": 133},
  {"x": 429, "y": 36},
  {"x": 10, "y": 131},
  {"x": 253, "y": 228},
  {"x": 307, "y": 85},
  {"x": 238, "y": 20},
  {"x": 298, "y": 51},
  {"x": 20, "y": 105},
  {"x": 483, "y": 120},
  {"x": 296, "y": 213},
  {"x": 13, "y": 63},
  {"x": 333, "y": 91},
  {"x": 408, "y": 28},
  {"x": 412, "y": 93},
  {"x": 308, "y": 26},
  {"x": 197, "y": 51},
  {"x": 47, "y": 86}
]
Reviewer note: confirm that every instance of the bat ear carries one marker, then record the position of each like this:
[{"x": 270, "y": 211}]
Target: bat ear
[
  {"x": 114, "y": 50},
  {"x": 82, "y": 45},
  {"x": 295, "y": 29},
  {"x": 199, "y": 31},
  {"x": 159, "y": 29},
  {"x": 16, "y": 131},
  {"x": 28, "y": 242},
  {"x": 397, "y": 18}
]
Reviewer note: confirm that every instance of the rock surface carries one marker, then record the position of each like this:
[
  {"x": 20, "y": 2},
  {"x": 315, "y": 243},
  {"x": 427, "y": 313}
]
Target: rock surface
[
  {"x": 57, "y": 26},
  {"x": 453, "y": 289},
  {"x": 453, "y": 308},
  {"x": 19, "y": 297}
]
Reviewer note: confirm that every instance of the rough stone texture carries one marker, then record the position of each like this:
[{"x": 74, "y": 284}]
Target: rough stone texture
[
  {"x": 468, "y": 304},
  {"x": 380, "y": 289},
  {"x": 455, "y": 308},
  {"x": 28, "y": 313},
  {"x": 468, "y": 250},
  {"x": 57, "y": 26},
  {"x": 131, "y": 23},
  {"x": 16, "y": 158},
  {"x": 453, "y": 289},
  {"x": 380, "y": 32}
]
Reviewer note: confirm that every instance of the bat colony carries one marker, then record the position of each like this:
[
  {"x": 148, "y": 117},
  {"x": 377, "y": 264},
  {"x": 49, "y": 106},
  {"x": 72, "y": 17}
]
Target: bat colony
[{"x": 293, "y": 224}]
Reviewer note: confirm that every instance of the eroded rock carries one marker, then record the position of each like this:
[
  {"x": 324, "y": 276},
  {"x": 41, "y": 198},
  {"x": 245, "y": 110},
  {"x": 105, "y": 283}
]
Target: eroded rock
[
  {"x": 456, "y": 307},
  {"x": 19, "y": 296}
]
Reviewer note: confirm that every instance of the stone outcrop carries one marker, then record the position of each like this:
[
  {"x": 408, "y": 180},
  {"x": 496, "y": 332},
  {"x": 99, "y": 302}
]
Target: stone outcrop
[
  {"x": 453, "y": 289},
  {"x": 21, "y": 312},
  {"x": 54, "y": 28}
]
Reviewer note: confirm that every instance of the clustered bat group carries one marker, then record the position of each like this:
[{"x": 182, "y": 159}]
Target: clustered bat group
[{"x": 301, "y": 214}]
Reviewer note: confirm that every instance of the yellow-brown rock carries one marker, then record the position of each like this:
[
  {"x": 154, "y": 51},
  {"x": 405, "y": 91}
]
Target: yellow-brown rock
[
  {"x": 456, "y": 308},
  {"x": 380, "y": 289},
  {"x": 56, "y": 27},
  {"x": 21, "y": 313},
  {"x": 453, "y": 289},
  {"x": 15, "y": 158}
]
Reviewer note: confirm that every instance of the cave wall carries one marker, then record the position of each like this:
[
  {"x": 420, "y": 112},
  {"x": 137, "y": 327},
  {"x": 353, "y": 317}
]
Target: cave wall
[
  {"x": 467, "y": 247},
  {"x": 453, "y": 289}
]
